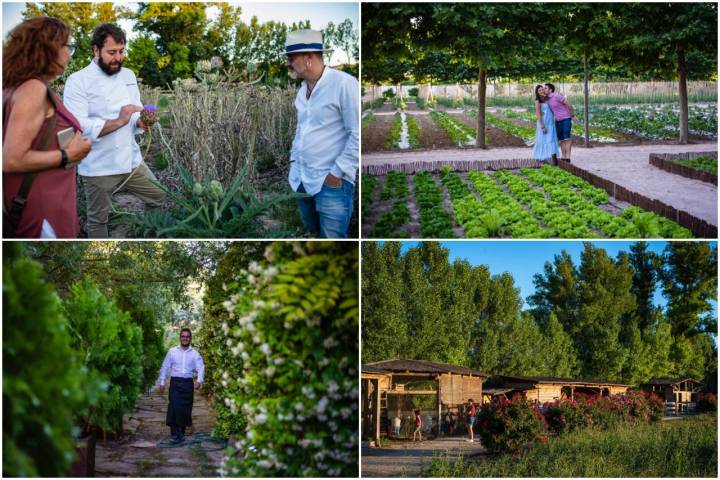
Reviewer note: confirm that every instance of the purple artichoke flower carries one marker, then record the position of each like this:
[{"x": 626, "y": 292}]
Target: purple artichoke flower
[{"x": 149, "y": 115}]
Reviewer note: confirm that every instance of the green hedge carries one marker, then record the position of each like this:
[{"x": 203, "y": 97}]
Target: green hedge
[
  {"x": 112, "y": 350},
  {"x": 43, "y": 383}
]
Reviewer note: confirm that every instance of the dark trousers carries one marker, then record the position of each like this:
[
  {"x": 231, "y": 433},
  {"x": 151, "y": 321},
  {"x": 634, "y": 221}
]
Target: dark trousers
[{"x": 179, "y": 413}]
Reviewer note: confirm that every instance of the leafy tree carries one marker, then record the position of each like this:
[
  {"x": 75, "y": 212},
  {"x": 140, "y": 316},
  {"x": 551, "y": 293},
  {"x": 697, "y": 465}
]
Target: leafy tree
[
  {"x": 385, "y": 329},
  {"x": 556, "y": 291},
  {"x": 646, "y": 265},
  {"x": 605, "y": 296},
  {"x": 559, "y": 356},
  {"x": 83, "y": 18},
  {"x": 690, "y": 283},
  {"x": 661, "y": 38}
]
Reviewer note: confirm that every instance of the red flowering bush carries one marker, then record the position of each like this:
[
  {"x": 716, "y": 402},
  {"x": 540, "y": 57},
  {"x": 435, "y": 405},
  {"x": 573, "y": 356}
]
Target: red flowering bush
[
  {"x": 565, "y": 416},
  {"x": 706, "y": 402},
  {"x": 506, "y": 426}
]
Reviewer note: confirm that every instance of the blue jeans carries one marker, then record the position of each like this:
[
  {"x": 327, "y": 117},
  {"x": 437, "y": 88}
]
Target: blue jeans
[{"x": 328, "y": 212}]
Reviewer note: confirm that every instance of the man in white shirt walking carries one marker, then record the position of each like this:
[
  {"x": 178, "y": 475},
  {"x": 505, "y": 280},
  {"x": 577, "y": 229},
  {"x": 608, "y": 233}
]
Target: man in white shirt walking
[
  {"x": 181, "y": 361},
  {"x": 324, "y": 156},
  {"x": 105, "y": 98}
]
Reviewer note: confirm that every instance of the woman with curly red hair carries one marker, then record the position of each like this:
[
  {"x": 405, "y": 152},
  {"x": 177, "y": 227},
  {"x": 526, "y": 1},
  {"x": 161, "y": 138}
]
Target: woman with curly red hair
[{"x": 39, "y": 174}]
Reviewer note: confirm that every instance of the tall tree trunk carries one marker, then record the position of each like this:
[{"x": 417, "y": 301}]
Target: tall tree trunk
[
  {"x": 482, "y": 84},
  {"x": 586, "y": 103},
  {"x": 682, "y": 84}
]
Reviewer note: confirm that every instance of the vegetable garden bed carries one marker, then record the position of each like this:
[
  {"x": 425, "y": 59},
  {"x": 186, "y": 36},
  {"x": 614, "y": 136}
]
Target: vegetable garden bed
[
  {"x": 696, "y": 165},
  {"x": 525, "y": 203}
]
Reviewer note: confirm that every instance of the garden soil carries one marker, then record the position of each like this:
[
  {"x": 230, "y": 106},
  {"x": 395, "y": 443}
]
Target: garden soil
[
  {"x": 135, "y": 453},
  {"x": 627, "y": 166},
  {"x": 408, "y": 459}
]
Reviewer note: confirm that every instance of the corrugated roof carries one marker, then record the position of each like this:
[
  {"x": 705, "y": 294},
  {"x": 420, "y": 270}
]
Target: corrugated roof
[
  {"x": 670, "y": 381},
  {"x": 566, "y": 381},
  {"x": 418, "y": 366}
]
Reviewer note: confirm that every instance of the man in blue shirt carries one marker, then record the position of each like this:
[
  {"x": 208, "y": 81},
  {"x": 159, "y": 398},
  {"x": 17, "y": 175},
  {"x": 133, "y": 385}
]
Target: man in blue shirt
[
  {"x": 182, "y": 361},
  {"x": 324, "y": 157}
]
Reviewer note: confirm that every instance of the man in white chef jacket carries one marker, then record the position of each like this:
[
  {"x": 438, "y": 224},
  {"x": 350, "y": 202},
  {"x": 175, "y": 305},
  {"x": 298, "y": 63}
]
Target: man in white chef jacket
[
  {"x": 105, "y": 98},
  {"x": 324, "y": 155}
]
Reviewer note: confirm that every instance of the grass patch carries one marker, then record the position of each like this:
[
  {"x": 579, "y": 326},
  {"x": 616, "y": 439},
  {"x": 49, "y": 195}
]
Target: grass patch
[
  {"x": 367, "y": 119},
  {"x": 394, "y": 133},
  {"x": 680, "y": 448}
]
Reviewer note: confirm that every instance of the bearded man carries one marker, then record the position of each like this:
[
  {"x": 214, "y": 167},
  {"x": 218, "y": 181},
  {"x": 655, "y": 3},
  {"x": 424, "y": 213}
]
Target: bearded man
[{"x": 105, "y": 98}]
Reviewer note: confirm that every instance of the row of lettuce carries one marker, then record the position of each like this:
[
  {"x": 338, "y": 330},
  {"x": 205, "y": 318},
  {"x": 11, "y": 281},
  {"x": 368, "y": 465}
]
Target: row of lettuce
[
  {"x": 279, "y": 339},
  {"x": 509, "y": 425},
  {"x": 529, "y": 203},
  {"x": 72, "y": 365}
]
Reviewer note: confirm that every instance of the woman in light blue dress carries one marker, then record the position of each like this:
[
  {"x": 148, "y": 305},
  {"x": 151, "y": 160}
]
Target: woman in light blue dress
[{"x": 546, "y": 144}]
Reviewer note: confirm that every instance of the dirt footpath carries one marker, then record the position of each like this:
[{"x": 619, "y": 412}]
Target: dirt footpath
[
  {"x": 625, "y": 165},
  {"x": 136, "y": 453},
  {"x": 408, "y": 459}
]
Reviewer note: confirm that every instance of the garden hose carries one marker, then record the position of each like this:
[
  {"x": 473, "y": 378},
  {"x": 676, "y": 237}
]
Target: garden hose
[{"x": 196, "y": 441}]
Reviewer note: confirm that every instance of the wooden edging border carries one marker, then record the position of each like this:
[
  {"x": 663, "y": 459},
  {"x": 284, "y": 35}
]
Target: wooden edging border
[
  {"x": 665, "y": 161},
  {"x": 699, "y": 227}
]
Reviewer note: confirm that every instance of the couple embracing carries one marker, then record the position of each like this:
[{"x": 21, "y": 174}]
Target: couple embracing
[{"x": 554, "y": 124}]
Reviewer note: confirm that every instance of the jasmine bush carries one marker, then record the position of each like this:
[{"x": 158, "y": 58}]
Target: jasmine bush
[{"x": 291, "y": 358}]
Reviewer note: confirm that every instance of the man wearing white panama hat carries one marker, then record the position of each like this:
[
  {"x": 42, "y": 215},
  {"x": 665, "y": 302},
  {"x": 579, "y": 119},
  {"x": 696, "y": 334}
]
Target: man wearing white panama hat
[{"x": 324, "y": 155}]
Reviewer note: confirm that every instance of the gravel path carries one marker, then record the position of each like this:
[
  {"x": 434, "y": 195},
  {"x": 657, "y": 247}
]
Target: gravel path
[
  {"x": 625, "y": 165},
  {"x": 135, "y": 454},
  {"x": 407, "y": 459}
]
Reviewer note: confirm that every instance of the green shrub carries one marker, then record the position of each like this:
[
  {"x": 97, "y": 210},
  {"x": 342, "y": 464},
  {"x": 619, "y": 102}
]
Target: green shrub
[
  {"x": 42, "y": 379},
  {"x": 507, "y": 426},
  {"x": 129, "y": 299},
  {"x": 111, "y": 347},
  {"x": 565, "y": 416},
  {"x": 295, "y": 327},
  {"x": 209, "y": 210},
  {"x": 413, "y": 92},
  {"x": 388, "y": 94}
]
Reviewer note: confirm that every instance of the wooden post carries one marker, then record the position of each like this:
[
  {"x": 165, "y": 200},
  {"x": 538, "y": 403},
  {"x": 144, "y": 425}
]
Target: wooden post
[
  {"x": 572, "y": 393},
  {"x": 586, "y": 94},
  {"x": 377, "y": 411},
  {"x": 439, "y": 406},
  {"x": 682, "y": 86}
]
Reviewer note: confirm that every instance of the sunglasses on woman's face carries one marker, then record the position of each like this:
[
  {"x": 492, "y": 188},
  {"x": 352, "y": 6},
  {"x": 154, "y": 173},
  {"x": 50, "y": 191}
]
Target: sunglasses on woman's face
[{"x": 72, "y": 47}]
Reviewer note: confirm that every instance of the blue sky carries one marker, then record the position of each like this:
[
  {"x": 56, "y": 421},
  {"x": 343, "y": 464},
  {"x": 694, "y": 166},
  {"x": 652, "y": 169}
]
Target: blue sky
[
  {"x": 523, "y": 259},
  {"x": 319, "y": 14}
]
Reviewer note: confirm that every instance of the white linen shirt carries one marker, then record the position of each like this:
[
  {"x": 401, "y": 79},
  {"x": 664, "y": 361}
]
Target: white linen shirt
[
  {"x": 327, "y": 134},
  {"x": 182, "y": 363},
  {"x": 95, "y": 97}
]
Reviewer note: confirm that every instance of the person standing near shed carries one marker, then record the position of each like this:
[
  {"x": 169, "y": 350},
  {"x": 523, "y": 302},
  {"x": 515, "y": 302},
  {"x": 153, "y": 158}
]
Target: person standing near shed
[
  {"x": 471, "y": 419},
  {"x": 181, "y": 362}
]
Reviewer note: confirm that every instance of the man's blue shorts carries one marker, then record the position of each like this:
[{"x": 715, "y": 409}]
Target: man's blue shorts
[{"x": 563, "y": 129}]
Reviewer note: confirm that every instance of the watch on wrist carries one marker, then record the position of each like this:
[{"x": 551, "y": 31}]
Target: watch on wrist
[{"x": 63, "y": 158}]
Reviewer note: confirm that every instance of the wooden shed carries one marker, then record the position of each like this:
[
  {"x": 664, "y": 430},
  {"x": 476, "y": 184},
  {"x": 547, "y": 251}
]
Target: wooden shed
[
  {"x": 549, "y": 389},
  {"x": 388, "y": 386},
  {"x": 678, "y": 393}
]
